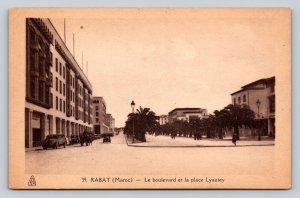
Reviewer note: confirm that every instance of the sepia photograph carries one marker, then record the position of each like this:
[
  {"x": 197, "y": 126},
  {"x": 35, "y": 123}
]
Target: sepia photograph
[{"x": 150, "y": 98}]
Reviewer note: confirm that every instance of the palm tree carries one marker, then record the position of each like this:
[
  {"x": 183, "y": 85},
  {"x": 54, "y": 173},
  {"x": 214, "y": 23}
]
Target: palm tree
[
  {"x": 235, "y": 116},
  {"x": 142, "y": 121}
]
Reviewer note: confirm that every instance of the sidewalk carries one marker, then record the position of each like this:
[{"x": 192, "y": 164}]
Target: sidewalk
[{"x": 166, "y": 141}]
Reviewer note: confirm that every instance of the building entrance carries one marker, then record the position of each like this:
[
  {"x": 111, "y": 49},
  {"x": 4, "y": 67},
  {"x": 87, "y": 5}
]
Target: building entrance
[{"x": 36, "y": 137}]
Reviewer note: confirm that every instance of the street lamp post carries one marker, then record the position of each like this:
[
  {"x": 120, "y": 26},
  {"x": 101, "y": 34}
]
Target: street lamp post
[
  {"x": 259, "y": 130},
  {"x": 132, "y": 106},
  {"x": 258, "y": 104}
]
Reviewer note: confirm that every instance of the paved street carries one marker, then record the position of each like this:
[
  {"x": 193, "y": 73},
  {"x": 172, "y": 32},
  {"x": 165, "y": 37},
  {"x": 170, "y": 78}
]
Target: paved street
[{"x": 119, "y": 159}]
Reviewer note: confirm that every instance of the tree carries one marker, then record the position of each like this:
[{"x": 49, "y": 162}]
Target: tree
[
  {"x": 219, "y": 120},
  {"x": 141, "y": 122},
  {"x": 235, "y": 116},
  {"x": 195, "y": 128},
  {"x": 207, "y": 126}
]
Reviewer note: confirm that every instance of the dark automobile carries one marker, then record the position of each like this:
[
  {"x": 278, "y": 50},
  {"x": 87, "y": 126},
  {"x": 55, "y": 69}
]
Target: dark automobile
[
  {"x": 54, "y": 141},
  {"x": 74, "y": 139},
  {"x": 106, "y": 138}
]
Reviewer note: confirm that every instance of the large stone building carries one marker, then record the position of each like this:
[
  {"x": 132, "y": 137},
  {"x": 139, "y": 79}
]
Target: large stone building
[
  {"x": 186, "y": 114},
  {"x": 100, "y": 124},
  {"x": 260, "y": 97},
  {"x": 58, "y": 94}
]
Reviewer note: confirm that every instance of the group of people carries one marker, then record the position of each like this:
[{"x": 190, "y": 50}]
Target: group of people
[
  {"x": 198, "y": 137},
  {"x": 85, "y": 137}
]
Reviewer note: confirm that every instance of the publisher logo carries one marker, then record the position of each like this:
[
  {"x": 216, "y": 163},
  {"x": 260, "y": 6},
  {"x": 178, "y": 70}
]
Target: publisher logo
[{"x": 32, "y": 181}]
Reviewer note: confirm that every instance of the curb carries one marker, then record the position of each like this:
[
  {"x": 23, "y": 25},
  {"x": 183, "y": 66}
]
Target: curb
[
  {"x": 198, "y": 146},
  {"x": 246, "y": 145}
]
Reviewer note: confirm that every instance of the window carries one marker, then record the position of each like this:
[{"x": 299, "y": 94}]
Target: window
[
  {"x": 97, "y": 108},
  {"x": 60, "y": 68},
  {"x": 272, "y": 104},
  {"x": 64, "y": 106},
  {"x": 60, "y": 86},
  {"x": 234, "y": 101},
  {"x": 56, "y": 83},
  {"x": 239, "y": 100},
  {"x": 97, "y": 113},
  {"x": 60, "y": 104},
  {"x": 64, "y": 91},
  {"x": 97, "y": 120},
  {"x": 50, "y": 57},
  {"x": 51, "y": 99},
  {"x": 41, "y": 90},
  {"x": 56, "y": 65},
  {"x": 56, "y": 103},
  {"x": 64, "y": 72},
  {"x": 244, "y": 98}
]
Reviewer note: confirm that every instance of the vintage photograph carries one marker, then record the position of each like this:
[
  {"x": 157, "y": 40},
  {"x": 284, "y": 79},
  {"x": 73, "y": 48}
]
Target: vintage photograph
[{"x": 150, "y": 98}]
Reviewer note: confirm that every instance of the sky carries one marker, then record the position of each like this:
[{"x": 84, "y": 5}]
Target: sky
[{"x": 164, "y": 62}]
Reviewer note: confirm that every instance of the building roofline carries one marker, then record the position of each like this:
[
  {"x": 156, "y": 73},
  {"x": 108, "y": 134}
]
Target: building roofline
[
  {"x": 99, "y": 97},
  {"x": 176, "y": 109},
  {"x": 187, "y": 112},
  {"x": 246, "y": 89},
  {"x": 68, "y": 51},
  {"x": 260, "y": 81}
]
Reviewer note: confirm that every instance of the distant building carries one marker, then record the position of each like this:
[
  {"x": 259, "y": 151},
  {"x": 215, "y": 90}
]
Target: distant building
[
  {"x": 163, "y": 119},
  {"x": 100, "y": 124},
  {"x": 110, "y": 122},
  {"x": 58, "y": 94},
  {"x": 260, "y": 97},
  {"x": 186, "y": 114}
]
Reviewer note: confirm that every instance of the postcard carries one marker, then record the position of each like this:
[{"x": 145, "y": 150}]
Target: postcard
[{"x": 150, "y": 98}]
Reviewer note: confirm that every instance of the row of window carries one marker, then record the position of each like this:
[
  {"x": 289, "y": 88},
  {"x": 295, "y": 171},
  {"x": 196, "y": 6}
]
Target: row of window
[
  {"x": 62, "y": 86},
  {"x": 96, "y": 101},
  {"x": 81, "y": 115},
  {"x": 60, "y": 105},
  {"x": 239, "y": 99},
  {"x": 60, "y": 69}
]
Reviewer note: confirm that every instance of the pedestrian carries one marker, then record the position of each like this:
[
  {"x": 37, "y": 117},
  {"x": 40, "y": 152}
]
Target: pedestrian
[{"x": 234, "y": 137}]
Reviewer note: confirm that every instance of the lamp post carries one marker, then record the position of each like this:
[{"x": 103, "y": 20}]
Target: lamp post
[
  {"x": 259, "y": 130},
  {"x": 258, "y": 104},
  {"x": 132, "y": 106}
]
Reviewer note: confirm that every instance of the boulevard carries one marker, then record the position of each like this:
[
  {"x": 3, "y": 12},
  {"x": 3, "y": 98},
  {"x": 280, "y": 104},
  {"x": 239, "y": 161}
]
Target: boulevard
[{"x": 117, "y": 158}]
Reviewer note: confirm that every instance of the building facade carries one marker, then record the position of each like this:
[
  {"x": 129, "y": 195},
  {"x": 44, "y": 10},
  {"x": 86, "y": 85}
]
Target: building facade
[
  {"x": 163, "y": 119},
  {"x": 111, "y": 122},
  {"x": 260, "y": 97},
  {"x": 186, "y": 114},
  {"x": 100, "y": 124},
  {"x": 58, "y": 94}
]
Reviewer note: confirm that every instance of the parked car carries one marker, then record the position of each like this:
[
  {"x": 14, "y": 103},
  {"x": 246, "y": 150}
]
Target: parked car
[
  {"x": 54, "y": 141},
  {"x": 106, "y": 138}
]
